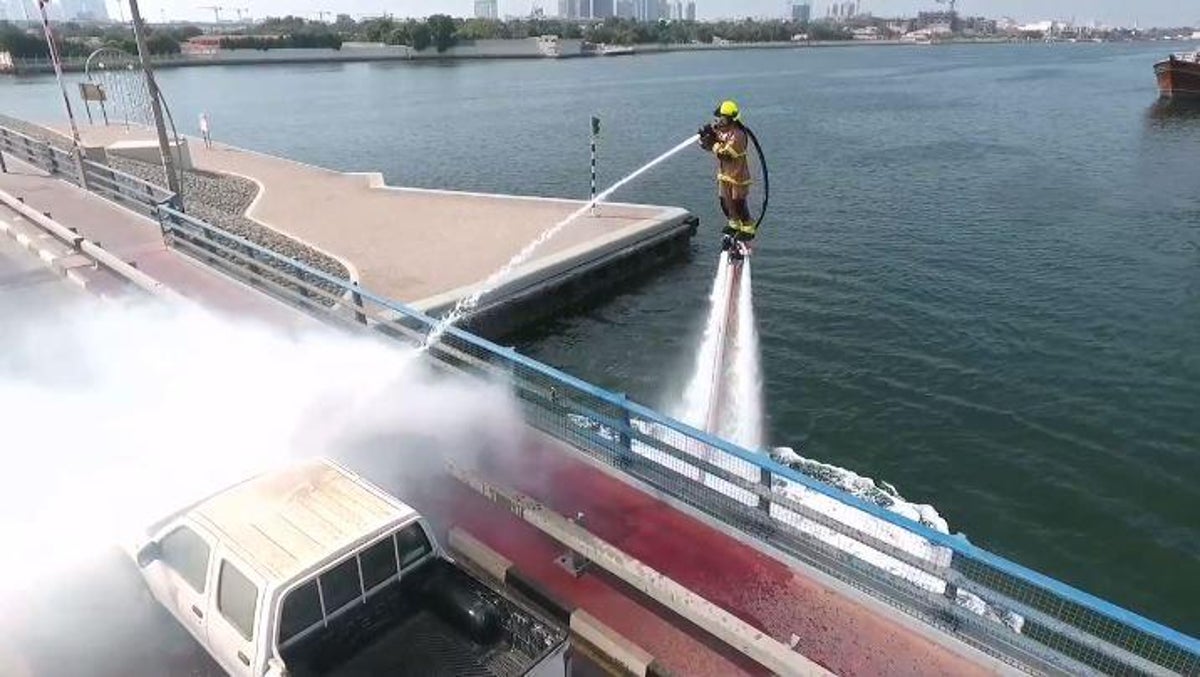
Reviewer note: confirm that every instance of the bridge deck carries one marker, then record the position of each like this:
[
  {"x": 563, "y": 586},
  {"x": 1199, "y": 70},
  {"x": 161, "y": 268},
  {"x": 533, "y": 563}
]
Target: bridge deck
[{"x": 830, "y": 626}]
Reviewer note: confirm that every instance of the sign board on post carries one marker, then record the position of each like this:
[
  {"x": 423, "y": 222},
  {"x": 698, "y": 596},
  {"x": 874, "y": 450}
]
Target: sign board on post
[{"x": 91, "y": 91}]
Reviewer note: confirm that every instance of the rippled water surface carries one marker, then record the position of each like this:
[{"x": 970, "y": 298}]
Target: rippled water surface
[{"x": 979, "y": 279}]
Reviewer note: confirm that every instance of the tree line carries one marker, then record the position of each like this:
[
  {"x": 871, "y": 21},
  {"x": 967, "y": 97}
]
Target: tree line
[
  {"x": 80, "y": 40},
  {"x": 439, "y": 32}
]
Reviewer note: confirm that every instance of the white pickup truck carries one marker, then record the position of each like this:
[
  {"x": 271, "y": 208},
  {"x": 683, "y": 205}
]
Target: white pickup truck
[{"x": 313, "y": 570}]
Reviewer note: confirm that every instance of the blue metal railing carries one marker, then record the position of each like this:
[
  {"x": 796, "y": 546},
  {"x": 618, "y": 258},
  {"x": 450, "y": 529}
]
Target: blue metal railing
[{"x": 1062, "y": 628}]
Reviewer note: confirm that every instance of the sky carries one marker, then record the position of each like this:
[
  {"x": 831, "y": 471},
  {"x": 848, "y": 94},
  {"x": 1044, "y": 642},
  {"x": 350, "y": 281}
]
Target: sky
[{"x": 1145, "y": 13}]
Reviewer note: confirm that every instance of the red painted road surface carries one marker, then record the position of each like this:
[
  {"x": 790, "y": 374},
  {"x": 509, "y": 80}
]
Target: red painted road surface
[{"x": 833, "y": 630}]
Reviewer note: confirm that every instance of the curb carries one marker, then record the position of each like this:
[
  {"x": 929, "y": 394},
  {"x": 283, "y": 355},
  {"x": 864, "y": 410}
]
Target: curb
[
  {"x": 55, "y": 255},
  {"x": 117, "y": 271}
]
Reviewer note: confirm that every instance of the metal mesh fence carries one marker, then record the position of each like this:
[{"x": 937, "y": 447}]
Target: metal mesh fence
[{"x": 1021, "y": 616}]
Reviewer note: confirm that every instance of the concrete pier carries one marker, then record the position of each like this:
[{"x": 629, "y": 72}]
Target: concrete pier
[{"x": 430, "y": 248}]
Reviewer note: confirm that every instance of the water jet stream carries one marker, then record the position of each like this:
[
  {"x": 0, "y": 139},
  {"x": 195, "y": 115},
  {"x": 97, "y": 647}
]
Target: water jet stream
[
  {"x": 724, "y": 395},
  {"x": 468, "y": 303}
]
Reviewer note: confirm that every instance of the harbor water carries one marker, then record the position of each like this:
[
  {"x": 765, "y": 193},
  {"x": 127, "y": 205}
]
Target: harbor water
[{"x": 979, "y": 280}]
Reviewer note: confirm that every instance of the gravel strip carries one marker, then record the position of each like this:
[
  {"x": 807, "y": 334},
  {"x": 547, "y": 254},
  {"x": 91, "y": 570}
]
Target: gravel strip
[
  {"x": 222, "y": 200},
  {"x": 36, "y": 131}
]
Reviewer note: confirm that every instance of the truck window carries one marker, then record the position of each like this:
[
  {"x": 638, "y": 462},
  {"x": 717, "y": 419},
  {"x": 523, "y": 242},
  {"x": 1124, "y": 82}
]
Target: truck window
[
  {"x": 186, "y": 552},
  {"x": 237, "y": 599},
  {"x": 301, "y": 610},
  {"x": 413, "y": 545},
  {"x": 378, "y": 563},
  {"x": 340, "y": 585}
]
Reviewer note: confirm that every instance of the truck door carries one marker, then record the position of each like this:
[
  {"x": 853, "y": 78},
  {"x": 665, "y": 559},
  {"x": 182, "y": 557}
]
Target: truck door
[
  {"x": 179, "y": 578},
  {"x": 235, "y": 602}
]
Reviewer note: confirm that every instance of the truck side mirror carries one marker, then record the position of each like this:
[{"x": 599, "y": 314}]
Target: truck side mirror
[{"x": 149, "y": 553}]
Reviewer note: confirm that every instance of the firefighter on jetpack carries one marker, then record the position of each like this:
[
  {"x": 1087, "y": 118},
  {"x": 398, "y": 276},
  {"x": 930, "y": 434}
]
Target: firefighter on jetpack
[{"x": 728, "y": 139}]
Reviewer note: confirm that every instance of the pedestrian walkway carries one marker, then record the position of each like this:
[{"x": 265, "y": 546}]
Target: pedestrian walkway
[{"x": 137, "y": 240}]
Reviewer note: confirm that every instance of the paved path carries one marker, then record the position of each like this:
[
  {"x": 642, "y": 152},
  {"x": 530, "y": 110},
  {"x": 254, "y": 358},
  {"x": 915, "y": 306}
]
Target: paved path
[
  {"x": 416, "y": 246},
  {"x": 137, "y": 240}
]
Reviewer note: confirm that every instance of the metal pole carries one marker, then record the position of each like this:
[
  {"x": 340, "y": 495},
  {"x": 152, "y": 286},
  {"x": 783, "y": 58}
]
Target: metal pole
[
  {"x": 168, "y": 161},
  {"x": 66, "y": 99},
  {"x": 86, "y": 106},
  {"x": 595, "y": 135}
]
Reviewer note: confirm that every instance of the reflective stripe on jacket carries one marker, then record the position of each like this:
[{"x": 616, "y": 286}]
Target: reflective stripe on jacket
[{"x": 733, "y": 166}]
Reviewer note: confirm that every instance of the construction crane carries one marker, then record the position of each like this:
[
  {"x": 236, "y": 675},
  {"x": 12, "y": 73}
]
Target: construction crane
[{"x": 216, "y": 10}]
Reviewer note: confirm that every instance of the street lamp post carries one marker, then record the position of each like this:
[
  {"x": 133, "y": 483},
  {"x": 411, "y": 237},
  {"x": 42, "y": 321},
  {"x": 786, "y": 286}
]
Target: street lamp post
[
  {"x": 54, "y": 59},
  {"x": 168, "y": 160}
]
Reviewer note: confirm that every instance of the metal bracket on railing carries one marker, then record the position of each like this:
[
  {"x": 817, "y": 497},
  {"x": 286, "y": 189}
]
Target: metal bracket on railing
[
  {"x": 623, "y": 438},
  {"x": 572, "y": 561},
  {"x": 356, "y": 297}
]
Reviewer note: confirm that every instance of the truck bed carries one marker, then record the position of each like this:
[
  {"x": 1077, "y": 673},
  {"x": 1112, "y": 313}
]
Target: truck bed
[{"x": 438, "y": 620}]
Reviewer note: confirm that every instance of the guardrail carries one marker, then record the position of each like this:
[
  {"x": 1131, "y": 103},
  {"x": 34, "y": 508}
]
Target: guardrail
[
  {"x": 1014, "y": 613},
  {"x": 934, "y": 576},
  {"x": 120, "y": 187}
]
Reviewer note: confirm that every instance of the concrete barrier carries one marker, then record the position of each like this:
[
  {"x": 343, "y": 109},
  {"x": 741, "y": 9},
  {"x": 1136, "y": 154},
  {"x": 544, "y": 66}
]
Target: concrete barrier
[
  {"x": 600, "y": 642},
  {"x": 91, "y": 250},
  {"x": 734, "y": 632}
]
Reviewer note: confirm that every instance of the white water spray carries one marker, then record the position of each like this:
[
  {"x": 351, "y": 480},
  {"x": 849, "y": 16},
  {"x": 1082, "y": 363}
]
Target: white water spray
[
  {"x": 724, "y": 395},
  {"x": 115, "y": 415},
  {"x": 468, "y": 303}
]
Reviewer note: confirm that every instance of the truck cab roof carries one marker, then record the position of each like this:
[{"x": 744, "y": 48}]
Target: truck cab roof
[{"x": 287, "y": 522}]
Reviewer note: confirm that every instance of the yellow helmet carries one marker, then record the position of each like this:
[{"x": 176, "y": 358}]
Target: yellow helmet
[{"x": 728, "y": 109}]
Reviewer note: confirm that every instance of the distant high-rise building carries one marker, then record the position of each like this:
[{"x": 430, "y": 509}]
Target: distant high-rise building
[
  {"x": 18, "y": 10},
  {"x": 691, "y": 11},
  {"x": 487, "y": 9},
  {"x": 624, "y": 9},
  {"x": 603, "y": 9},
  {"x": 62, "y": 10},
  {"x": 843, "y": 10},
  {"x": 574, "y": 9},
  {"x": 97, "y": 10},
  {"x": 801, "y": 13},
  {"x": 648, "y": 10}
]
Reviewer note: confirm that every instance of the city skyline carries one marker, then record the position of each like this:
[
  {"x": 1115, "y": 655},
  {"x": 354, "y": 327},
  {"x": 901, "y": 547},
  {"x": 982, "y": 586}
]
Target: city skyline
[{"x": 1146, "y": 13}]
